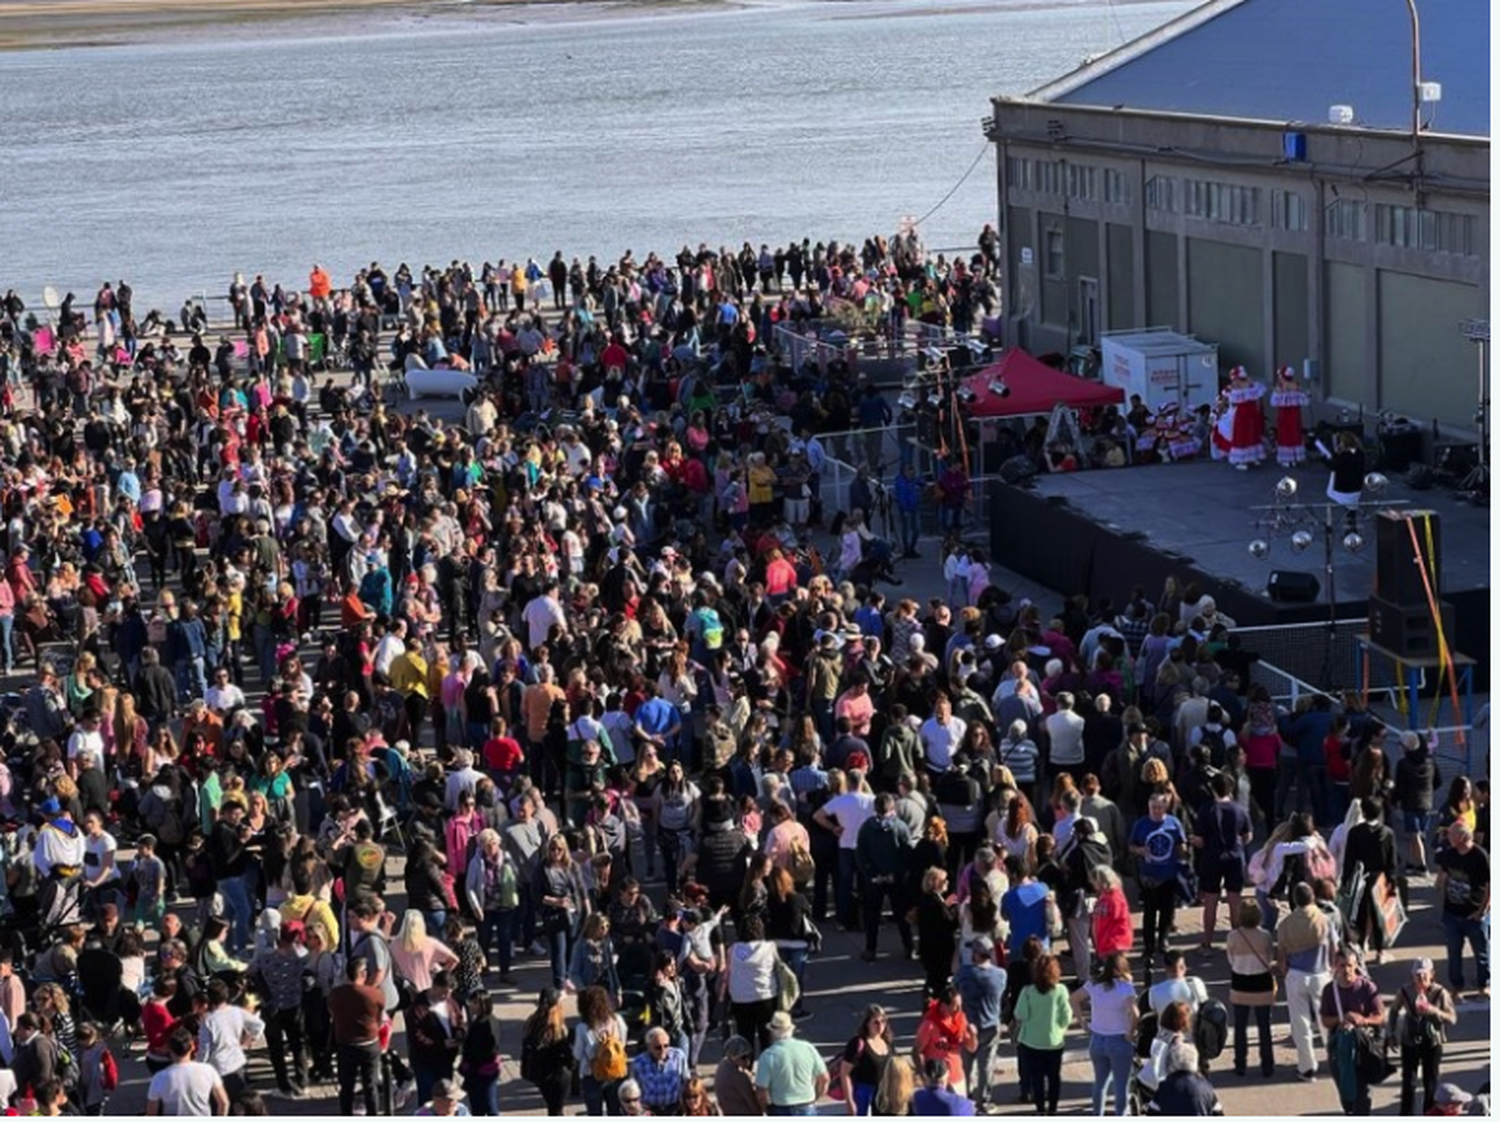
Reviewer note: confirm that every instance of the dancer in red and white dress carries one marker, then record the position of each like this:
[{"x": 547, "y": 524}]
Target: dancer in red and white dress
[
  {"x": 1221, "y": 427},
  {"x": 1247, "y": 439},
  {"x": 1289, "y": 401}
]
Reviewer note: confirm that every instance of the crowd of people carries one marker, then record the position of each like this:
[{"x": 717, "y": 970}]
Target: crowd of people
[{"x": 393, "y": 703}]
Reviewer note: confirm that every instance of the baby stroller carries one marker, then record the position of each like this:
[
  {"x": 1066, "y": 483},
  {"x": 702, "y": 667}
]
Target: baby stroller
[{"x": 635, "y": 969}]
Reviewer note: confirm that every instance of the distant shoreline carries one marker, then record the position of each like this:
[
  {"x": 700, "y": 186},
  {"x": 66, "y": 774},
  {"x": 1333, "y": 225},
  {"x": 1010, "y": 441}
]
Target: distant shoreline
[{"x": 36, "y": 25}]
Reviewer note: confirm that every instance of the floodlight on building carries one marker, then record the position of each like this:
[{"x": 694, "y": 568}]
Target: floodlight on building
[
  {"x": 1431, "y": 91},
  {"x": 1341, "y": 114}
]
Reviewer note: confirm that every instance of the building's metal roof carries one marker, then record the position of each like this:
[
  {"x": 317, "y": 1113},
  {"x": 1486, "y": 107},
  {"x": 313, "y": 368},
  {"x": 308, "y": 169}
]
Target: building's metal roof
[{"x": 1290, "y": 60}]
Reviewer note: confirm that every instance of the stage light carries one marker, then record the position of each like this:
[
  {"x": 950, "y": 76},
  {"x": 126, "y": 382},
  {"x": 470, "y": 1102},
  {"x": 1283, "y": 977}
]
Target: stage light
[
  {"x": 1354, "y": 541},
  {"x": 1375, "y": 483},
  {"x": 999, "y": 388},
  {"x": 965, "y": 395},
  {"x": 1286, "y": 487},
  {"x": 907, "y": 400},
  {"x": 1301, "y": 540},
  {"x": 1259, "y": 548}
]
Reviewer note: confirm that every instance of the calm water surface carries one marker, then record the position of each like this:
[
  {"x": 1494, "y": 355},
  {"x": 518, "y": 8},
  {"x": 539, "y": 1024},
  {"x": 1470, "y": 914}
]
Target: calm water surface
[{"x": 265, "y": 149}]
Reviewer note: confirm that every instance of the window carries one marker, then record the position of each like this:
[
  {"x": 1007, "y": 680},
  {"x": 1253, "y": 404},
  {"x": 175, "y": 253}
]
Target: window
[
  {"x": 1228, "y": 203},
  {"x": 1116, "y": 187},
  {"x": 1049, "y": 177},
  {"x": 1083, "y": 182},
  {"x": 1021, "y": 173},
  {"x": 1161, "y": 193},
  {"x": 1345, "y": 219},
  {"x": 1053, "y": 260},
  {"x": 1411, "y": 227},
  {"x": 1288, "y": 210}
]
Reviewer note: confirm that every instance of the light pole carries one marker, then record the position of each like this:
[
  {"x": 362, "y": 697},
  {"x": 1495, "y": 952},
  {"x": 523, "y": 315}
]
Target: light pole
[{"x": 1302, "y": 522}]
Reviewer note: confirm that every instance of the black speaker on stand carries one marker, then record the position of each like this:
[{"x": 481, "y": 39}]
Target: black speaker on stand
[
  {"x": 1286, "y": 586},
  {"x": 1398, "y": 573}
]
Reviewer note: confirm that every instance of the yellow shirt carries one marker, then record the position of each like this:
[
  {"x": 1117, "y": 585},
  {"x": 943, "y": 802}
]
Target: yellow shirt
[{"x": 409, "y": 674}]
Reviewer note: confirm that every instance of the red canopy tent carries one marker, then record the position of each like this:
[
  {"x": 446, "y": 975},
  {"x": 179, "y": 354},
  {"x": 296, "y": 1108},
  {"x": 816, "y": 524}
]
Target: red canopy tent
[{"x": 1034, "y": 388}]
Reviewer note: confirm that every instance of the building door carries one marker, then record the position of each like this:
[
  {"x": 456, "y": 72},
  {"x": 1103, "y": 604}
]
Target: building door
[{"x": 1088, "y": 311}]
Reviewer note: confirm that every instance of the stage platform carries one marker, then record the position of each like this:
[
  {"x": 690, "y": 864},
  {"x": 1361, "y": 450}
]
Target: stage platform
[{"x": 1104, "y": 531}]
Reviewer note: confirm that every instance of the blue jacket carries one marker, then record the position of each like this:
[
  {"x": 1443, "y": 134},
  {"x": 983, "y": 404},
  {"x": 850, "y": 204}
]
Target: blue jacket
[
  {"x": 1306, "y": 733},
  {"x": 908, "y": 491}
]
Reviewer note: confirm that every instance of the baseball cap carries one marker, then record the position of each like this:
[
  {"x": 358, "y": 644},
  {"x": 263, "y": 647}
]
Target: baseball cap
[
  {"x": 984, "y": 946},
  {"x": 1451, "y": 1094}
]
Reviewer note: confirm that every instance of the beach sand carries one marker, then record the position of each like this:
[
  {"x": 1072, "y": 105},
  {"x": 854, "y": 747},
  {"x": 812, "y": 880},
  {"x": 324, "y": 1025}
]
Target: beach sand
[{"x": 45, "y": 24}]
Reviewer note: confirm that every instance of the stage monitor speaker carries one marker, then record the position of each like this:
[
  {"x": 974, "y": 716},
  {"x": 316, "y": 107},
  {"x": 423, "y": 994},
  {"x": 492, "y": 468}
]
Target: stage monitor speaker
[
  {"x": 1408, "y": 630},
  {"x": 1398, "y": 576},
  {"x": 1286, "y": 586}
]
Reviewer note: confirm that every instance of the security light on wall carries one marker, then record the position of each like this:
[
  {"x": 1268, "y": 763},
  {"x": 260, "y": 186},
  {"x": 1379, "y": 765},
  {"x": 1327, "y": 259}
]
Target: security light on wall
[
  {"x": 1431, "y": 91},
  {"x": 1341, "y": 114}
]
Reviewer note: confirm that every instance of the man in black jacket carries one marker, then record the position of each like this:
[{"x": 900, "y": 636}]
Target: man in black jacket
[
  {"x": 1416, "y": 779},
  {"x": 155, "y": 690},
  {"x": 230, "y": 861},
  {"x": 1371, "y": 846}
]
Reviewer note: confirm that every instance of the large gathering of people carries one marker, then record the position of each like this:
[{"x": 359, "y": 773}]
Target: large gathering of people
[{"x": 334, "y": 724}]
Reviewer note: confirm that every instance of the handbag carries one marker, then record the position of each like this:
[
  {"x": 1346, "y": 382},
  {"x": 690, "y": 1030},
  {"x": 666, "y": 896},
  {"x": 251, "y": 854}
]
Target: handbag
[
  {"x": 1275, "y": 985},
  {"x": 788, "y": 991},
  {"x": 1389, "y": 909}
]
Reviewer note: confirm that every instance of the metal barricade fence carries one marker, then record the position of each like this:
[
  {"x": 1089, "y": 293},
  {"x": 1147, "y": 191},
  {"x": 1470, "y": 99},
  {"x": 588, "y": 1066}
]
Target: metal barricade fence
[{"x": 1300, "y": 650}]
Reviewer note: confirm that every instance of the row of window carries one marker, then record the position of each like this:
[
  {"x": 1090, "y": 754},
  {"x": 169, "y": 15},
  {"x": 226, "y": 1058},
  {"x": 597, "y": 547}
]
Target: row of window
[
  {"x": 1075, "y": 181},
  {"x": 1235, "y": 205}
]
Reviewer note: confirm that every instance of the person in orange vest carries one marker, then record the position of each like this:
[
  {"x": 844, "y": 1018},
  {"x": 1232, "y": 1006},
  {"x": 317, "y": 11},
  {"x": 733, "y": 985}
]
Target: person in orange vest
[{"x": 319, "y": 284}]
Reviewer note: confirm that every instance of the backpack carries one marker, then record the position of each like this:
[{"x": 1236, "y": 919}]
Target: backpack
[
  {"x": 1320, "y": 863},
  {"x": 1211, "y": 1029},
  {"x": 1213, "y": 740},
  {"x": 530, "y": 1061},
  {"x": 109, "y": 1071},
  {"x": 608, "y": 1064},
  {"x": 800, "y": 864},
  {"x": 67, "y": 1067}
]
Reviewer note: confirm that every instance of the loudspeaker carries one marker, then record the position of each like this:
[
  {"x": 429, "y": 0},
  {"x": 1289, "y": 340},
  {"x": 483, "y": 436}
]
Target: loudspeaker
[
  {"x": 1288, "y": 587},
  {"x": 1408, "y": 630},
  {"x": 1398, "y": 576},
  {"x": 1399, "y": 450}
]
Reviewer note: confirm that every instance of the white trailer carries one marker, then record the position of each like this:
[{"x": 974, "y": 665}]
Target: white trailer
[{"x": 1162, "y": 366}]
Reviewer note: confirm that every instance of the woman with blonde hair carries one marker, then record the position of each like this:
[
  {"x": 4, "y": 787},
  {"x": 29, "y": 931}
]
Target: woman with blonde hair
[
  {"x": 897, "y": 1086},
  {"x": 417, "y": 955},
  {"x": 131, "y": 733}
]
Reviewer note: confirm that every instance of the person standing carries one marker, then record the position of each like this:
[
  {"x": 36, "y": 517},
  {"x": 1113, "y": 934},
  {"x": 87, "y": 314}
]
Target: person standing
[
  {"x": 1350, "y": 1004},
  {"x": 1424, "y": 1010},
  {"x": 1221, "y": 831},
  {"x": 843, "y": 816},
  {"x": 281, "y": 973},
  {"x": 1370, "y": 851},
  {"x": 981, "y": 984},
  {"x": 1107, "y": 1006},
  {"x": 1252, "y": 985},
  {"x": 882, "y": 851},
  {"x": 1040, "y": 1023},
  {"x": 356, "y": 1009},
  {"x": 790, "y": 1076},
  {"x": 1289, "y": 401},
  {"x": 186, "y": 1087},
  {"x": 222, "y": 1036},
  {"x": 1305, "y": 944},
  {"x": 1159, "y": 844},
  {"x": 1416, "y": 780},
  {"x": 1464, "y": 882}
]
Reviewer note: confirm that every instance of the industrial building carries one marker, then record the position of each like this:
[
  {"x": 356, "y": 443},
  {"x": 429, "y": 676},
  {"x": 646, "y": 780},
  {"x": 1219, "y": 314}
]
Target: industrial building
[{"x": 1302, "y": 182}]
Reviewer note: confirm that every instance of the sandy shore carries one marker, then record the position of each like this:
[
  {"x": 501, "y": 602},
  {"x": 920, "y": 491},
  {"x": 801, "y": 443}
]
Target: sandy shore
[{"x": 43, "y": 24}]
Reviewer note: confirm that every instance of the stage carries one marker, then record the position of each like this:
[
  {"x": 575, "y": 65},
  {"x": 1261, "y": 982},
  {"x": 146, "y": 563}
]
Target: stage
[{"x": 1105, "y": 531}]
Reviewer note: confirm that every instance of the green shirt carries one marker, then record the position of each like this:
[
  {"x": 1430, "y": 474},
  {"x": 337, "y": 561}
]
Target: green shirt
[
  {"x": 1043, "y": 1017},
  {"x": 788, "y": 1072}
]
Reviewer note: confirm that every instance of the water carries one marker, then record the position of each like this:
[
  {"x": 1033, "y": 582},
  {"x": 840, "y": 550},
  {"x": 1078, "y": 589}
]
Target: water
[{"x": 265, "y": 149}]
